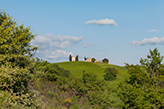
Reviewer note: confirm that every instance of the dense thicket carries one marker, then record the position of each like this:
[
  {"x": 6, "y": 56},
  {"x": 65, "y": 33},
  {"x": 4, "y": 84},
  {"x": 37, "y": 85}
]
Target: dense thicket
[
  {"x": 96, "y": 90},
  {"x": 75, "y": 93}
]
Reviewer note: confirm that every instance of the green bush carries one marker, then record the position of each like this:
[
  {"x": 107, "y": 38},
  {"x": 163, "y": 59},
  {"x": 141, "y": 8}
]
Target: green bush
[
  {"x": 54, "y": 71},
  {"x": 97, "y": 91},
  {"x": 111, "y": 74},
  {"x": 13, "y": 85}
]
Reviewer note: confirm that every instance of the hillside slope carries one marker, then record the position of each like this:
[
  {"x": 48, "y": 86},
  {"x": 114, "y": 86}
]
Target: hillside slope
[{"x": 77, "y": 68}]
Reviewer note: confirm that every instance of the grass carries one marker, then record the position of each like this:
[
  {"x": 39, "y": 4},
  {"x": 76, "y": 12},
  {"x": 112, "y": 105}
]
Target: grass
[{"x": 76, "y": 68}]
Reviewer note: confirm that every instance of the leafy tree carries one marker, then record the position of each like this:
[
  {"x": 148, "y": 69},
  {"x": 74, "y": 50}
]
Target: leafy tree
[
  {"x": 145, "y": 87},
  {"x": 105, "y": 60},
  {"x": 15, "y": 42},
  {"x": 77, "y": 58},
  {"x": 111, "y": 74},
  {"x": 70, "y": 58},
  {"x": 85, "y": 58},
  {"x": 93, "y": 60},
  {"x": 16, "y": 63}
]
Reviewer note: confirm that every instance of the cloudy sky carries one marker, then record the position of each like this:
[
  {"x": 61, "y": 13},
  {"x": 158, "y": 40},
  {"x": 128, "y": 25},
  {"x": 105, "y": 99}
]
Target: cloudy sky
[{"x": 120, "y": 30}]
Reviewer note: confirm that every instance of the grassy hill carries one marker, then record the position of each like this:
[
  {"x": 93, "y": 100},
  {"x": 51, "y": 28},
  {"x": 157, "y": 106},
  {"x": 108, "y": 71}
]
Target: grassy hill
[{"x": 76, "y": 68}]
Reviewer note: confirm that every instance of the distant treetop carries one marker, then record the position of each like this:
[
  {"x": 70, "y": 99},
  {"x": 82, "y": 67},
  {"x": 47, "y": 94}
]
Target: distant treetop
[{"x": 105, "y": 60}]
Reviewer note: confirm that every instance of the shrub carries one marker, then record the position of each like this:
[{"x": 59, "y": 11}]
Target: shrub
[
  {"x": 111, "y": 74},
  {"x": 96, "y": 91},
  {"x": 13, "y": 84},
  {"x": 54, "y": 71}
]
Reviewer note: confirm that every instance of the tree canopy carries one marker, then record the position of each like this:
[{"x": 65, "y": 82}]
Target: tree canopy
[
  {"x": 93, "y": 60},
  {"x": 105, "y": 60},
  {"x": 15, "y": 63},
  {"x": 14, "y": 41},
  {"x": 145, "y": 87}
]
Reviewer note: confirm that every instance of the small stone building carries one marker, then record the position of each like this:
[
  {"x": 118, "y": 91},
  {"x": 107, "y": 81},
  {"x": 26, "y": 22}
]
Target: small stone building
[
  {"x": 73, "y": 59},
  {"x": 97, "y": 61},
  {"x": 89, "y": 60}
]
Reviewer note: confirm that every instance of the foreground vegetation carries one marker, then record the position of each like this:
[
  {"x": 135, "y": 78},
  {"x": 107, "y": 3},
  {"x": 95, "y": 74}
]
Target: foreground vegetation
[{"x": 28, "y": 82}]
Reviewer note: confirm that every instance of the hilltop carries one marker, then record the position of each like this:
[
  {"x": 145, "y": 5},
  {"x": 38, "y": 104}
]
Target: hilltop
[{"x": 77, "y": 68}]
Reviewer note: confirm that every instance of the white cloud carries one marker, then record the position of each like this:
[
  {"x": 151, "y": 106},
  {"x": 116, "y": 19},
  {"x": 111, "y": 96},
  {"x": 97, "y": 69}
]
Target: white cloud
[
  {"x": 102, "y": 22},
  {"x": 49, "y": 40},
  {"x": 53, "y": 55},
  {"x": 151, "y": 41},
  {"x": 153, "y": 30},
  {"x": 88, "y": 44},
  {"x": 58, "y": 54},
  {"x": 53, "y": 48}
]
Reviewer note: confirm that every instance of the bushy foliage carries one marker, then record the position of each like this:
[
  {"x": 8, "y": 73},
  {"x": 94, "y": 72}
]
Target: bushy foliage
[
  {"x": 145, "y": 87},
  {"x": 14, "y": 79},
  {"x": 15, "y": 42},
  {"x": 105, "y": 60},
  {"x": 40, "y": 63},
  {"x": 16, "y": 63},
  {"x": 12, "y": 101},
  {"x": 14, "y": 83},
  {"x": 93, "y": 60},
  {"x": 111, "y": 74},
  {"x": 97, "y": 91},
  {"x": 54, "y": 72}
]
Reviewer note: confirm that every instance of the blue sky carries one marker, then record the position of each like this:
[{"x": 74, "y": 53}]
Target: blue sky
[{"x": 120, "y": 30}]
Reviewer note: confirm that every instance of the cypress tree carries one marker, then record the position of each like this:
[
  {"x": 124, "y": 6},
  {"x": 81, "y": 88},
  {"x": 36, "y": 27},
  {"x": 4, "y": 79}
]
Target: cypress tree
[
  {"x": 77, "y": 58},
  {"x": 70, "y": 58}
]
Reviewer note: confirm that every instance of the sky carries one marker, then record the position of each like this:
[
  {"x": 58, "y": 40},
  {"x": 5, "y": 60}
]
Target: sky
[{"x": 122, "y": 31}]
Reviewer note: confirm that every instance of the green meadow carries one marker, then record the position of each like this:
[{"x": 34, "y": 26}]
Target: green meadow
[{"x": 77, "y": 68}]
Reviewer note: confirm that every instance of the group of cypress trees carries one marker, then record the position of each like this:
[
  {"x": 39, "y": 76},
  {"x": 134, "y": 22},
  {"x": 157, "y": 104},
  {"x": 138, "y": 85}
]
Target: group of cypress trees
[{"x": 76, "y": 58}]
